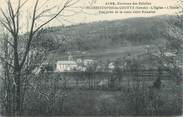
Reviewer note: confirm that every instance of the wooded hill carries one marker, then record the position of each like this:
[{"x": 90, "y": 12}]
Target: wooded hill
[{"x": 109, "y": 36}]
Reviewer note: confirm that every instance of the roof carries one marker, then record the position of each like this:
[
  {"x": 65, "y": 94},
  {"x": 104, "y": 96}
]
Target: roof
[
  {"x": 66, "y": 62},
  {"x": 169, "y": 54},
  {"x": 88, "y": 60}
]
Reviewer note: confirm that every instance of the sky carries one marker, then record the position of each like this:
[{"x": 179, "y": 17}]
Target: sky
[{"x": 78, "y": 13}]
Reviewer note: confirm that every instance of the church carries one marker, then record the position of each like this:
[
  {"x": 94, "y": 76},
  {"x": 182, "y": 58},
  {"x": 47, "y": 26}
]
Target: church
[{"x": 67, "y": 65}]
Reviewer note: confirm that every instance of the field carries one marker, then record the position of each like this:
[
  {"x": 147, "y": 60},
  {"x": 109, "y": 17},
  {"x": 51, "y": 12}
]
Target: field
[
  {"x": 110, "y": 54},
  {"x": 134, "y": 97},
  {"x": 121, "y": 102}
]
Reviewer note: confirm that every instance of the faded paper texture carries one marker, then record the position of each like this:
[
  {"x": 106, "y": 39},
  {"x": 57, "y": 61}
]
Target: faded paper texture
[{"x": 91, "y": 57}]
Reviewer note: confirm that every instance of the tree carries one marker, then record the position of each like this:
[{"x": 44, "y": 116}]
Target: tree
[
  {"x": 6, "y": 82},
  {"x": 19, "y": 53},
  {"x": 170, "y": 56}
]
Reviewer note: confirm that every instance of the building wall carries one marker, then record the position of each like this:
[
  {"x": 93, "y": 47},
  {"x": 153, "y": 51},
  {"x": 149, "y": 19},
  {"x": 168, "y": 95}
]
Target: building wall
[{"x": 65, "y": 67}]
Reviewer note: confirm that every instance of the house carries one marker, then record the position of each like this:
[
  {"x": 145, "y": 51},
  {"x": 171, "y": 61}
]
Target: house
[
  {"x": 88, "y": 62},
  {"x": 79, "y": 61},
  {"x": 111, "y": 66},
  {"x": 170, "y": 54}
]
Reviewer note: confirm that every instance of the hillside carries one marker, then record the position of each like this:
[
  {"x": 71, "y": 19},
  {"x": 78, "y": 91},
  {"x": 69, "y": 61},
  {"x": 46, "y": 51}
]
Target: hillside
[{"x": 106, "y": 36}]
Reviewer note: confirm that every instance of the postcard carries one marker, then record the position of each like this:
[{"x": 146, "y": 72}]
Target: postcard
[{"x": 91, "y": 57}]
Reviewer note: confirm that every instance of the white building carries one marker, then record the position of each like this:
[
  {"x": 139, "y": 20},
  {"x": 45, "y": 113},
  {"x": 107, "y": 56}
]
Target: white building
[
  {"x": 65, "y": 66},
  {"x": 79, "y": 60},
  {"x": 170, "y": 54},
  {"x": 88, "y": 62},
  {"x": 111, "y": 66}
]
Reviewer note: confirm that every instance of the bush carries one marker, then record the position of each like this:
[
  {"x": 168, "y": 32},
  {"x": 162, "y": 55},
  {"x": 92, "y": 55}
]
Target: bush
[{"x": 144, "y": 100}]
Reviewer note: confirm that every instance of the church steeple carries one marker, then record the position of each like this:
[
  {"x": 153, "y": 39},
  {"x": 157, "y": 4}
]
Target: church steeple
[{"x": 70, "y": 57}]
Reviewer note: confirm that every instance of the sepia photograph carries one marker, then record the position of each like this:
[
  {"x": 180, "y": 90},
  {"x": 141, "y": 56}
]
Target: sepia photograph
[{"x": 116, "y": 58}]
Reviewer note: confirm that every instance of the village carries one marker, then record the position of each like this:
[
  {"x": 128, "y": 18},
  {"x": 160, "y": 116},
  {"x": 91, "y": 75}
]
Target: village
[
  {"x": 72, "y": 64},
  {"x": 80, "y": 64}
]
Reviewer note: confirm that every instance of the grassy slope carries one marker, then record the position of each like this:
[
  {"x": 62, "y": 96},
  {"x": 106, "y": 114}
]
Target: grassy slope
[{"x": 110, "y": 38}]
